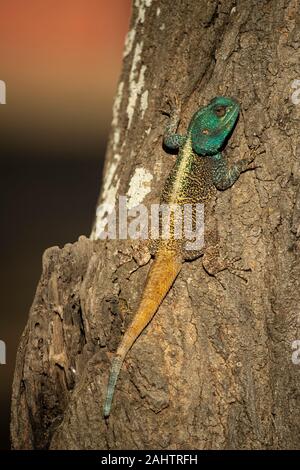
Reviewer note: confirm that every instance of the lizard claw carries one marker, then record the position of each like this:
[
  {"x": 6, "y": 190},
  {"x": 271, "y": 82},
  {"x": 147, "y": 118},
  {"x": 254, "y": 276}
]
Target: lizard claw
[
  {"x": 239, "y": 272},
  {"x": 252, "y": 158},
  {"x": 173, "y": 104},
  {"x": 247, "y": 164},
  {"x": 253, "y": 167}
]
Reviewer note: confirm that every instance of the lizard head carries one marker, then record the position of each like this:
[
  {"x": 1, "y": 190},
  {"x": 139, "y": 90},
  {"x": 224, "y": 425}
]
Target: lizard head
[{"x": 212, "y": 125}]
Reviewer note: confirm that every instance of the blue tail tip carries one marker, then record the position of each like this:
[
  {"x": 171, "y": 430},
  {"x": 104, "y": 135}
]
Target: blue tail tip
[{"x": 106, "y": 410}]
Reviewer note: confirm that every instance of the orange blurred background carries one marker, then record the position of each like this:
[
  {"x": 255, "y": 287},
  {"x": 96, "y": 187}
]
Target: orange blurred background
[{"x": 60, "y": 60}]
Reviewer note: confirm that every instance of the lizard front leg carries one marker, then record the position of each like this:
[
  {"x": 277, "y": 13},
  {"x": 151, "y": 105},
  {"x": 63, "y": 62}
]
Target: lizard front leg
[
  {"x": 172, "y": 140},
  {"x": 223, "y": 175}
]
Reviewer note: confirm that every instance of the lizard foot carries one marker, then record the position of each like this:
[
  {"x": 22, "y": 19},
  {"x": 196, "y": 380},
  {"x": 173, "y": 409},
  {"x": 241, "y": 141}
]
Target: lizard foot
[
  {"x": 173, "y": 103},
  {"x": 249, "y": 163},
  {"x": 215, "y": 265}
]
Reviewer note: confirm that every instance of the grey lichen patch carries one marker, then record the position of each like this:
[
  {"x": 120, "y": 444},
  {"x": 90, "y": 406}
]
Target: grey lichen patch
[
  {"x": 139, "y": 187},
  {"x": 136, "y": 82}
]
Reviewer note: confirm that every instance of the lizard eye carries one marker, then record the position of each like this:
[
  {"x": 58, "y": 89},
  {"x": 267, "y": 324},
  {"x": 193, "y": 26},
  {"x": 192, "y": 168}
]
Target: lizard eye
[{"x": 220, "y": 111}]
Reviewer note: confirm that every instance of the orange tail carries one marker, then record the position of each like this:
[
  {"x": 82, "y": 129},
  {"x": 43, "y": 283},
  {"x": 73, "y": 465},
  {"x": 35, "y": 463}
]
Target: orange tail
[{"x": 161, "y": 276}]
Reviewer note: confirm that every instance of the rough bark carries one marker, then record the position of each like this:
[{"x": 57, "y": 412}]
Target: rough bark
[{"x": 214, "y": 368}]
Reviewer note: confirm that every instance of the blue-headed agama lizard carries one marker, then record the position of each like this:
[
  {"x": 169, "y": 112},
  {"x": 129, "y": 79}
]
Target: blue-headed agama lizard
[{"x": 199, "y": 169}]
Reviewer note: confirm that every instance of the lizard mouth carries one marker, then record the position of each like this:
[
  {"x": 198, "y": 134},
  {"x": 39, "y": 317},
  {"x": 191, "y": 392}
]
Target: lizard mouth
[
  {"x": 231, "y": 116},
  {"x": 228, "y": 121}
]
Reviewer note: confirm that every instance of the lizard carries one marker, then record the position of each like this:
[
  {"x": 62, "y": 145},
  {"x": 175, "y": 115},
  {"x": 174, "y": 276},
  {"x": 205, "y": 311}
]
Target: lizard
[{"x": 200, "y": 169}]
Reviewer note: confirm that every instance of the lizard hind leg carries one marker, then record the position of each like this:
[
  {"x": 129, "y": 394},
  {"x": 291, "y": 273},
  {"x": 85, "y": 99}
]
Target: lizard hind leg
[
  {"x": 153, "y": 245},
  {"x": 192, "y": 255}
]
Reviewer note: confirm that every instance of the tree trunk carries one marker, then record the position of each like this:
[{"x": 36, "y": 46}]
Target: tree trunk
[{"x": 216, "y": 367}]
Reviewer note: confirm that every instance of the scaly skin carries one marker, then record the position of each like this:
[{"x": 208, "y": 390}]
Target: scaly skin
[{"x": 199, "y": 169}]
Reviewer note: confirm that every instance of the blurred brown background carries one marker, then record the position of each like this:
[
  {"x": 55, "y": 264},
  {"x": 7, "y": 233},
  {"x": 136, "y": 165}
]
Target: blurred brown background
[{"x": 60, "y": 61}]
